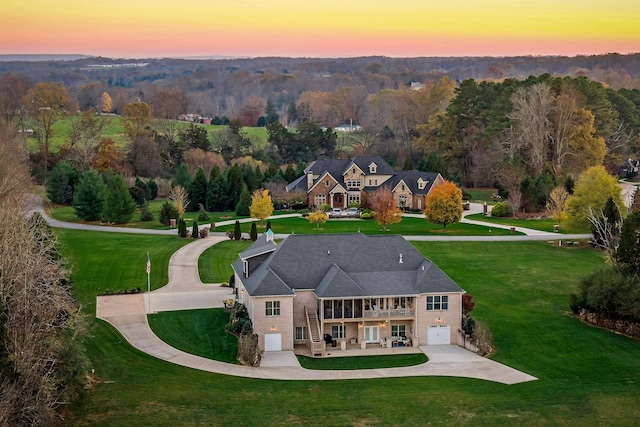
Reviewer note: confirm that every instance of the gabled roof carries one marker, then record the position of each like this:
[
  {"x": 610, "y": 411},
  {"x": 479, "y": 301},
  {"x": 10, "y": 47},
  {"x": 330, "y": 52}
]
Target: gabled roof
[
  {"x": 345, "y": 265},
  {"x": 410, "y": 179}
]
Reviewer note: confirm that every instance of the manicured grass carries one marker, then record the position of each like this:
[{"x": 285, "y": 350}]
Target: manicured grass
[
  {"x": 587, "y": 376},
  {"x": 545, "y": 224},
  {"x": 215, "y": 262},
  {"x": 199, "y": 332},
  {"x": 482, "y": 195},
  {"x": 362, "y": 362},
  {"x": 66, "y": 213},
  {"x": 408, "y": 227},
  {"x": 102, "y": 261}
]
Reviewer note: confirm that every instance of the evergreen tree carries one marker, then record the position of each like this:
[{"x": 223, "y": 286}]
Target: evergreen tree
[
  {"x": 118, "y": 205},
  {"x": 183, "y": 177},
  {"x": 217, "y": 200},
  {"x": 407, "y": 166},
  {"x": 138, "y": 195},
  {"x": 60, "y": 183},
  {"x": 270, "y": 112},
  {"x": 182, "y": 228},
  {"x": 235, "y": 183},
  {"x": 168, "y": 212},
  {"x": 268, "y": 225},
  {"x": 197, "y": 191},
  {"x": 289, "y": 174},
  {"x": 89, "y": 197},
  {"x": 153, "y": 189},
  {"x": 194, "y": 230},
  {"x": 237, "y": 233},
  {"x": 215, "y": 171},
  {"x": 628, "y": 253},
  {"x": 244, "y": 204},
  {"x": 144, "y": 186},
  {"x": 253, "y": 234},
  {"x": 145, "y": 212}
]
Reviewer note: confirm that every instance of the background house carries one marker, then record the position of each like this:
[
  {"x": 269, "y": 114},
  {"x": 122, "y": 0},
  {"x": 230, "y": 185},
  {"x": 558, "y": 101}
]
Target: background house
[
  {"x": 364, "y": 290},
  {"x": 340, "y": 182}
]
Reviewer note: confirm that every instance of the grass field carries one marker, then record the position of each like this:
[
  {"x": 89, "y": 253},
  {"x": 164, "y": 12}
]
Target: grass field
[
  {"x": 545, "y": 224},
  {"x": 409, "y": 226},
  {"x": 215, "y": 262},
  {"x": 362, "y": 362},
  {"x": 587, "y": 376}
]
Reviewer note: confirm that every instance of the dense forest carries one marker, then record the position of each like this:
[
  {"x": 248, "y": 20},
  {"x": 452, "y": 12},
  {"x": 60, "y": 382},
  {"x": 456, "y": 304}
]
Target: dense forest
[{"x": 524, "y": 125}]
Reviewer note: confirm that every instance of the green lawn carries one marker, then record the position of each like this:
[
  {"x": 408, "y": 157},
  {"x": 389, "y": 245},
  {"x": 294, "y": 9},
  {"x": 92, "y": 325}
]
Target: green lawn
[
  {"x": 545, "y": 224},
  {"x": 214, "y": 264},
  {"x": 199, "y": 332},
  {"x": 362, "y": 362},
  {"x": 587, "y": 376},
  {"x": 481, "y": 195},
  {"x": 408, "y": 227}
]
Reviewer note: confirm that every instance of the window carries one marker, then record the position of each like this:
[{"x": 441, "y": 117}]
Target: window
[
  {"x": 437, "y": 302},
  {"x": 398, "y": 331},
  {"x": 353, "y": 183},
  {"x": 372, "y": 168},
  {"x": 421, "y": 184},
  {"x": 373, "y": 182},
  {"x": 272, "y": 308},
  {"x": 327, "y": 183},
  {"x": 321, "y": 199},
  {"x": 354, "y": 198},
  {"x": 403, "y": 187},
  {"x": 402, "y": 201},
  {"x": 301, "y": 333},
  {"x": 338, "y": 331}
]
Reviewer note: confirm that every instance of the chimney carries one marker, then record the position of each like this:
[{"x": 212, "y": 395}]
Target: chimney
[
  {"x": 309, "y": 179},
  {"x": 400, "y": 262}
]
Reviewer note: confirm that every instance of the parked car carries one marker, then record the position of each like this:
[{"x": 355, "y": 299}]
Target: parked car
[
  {"x": 353, "y": 213},
  {"x": 335, "y": 213}
]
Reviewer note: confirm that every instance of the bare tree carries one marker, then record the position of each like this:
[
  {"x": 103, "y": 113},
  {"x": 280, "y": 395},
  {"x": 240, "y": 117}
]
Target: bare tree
[
  {"x": 43, "y": 363},
  {"x": 606, "y": 231}
]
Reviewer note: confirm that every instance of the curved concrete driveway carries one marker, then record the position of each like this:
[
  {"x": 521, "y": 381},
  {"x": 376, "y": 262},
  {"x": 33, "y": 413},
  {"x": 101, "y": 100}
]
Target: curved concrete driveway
[{"x": 185, "y": 291}]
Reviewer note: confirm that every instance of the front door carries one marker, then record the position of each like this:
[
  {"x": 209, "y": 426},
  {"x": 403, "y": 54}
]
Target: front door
[{"x": 371, "y": 334}]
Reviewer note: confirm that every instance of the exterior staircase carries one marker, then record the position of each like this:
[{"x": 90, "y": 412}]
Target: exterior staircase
[{"x": 314, "y": 340}]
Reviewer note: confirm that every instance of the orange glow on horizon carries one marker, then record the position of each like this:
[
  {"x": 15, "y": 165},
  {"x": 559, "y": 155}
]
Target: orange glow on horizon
[{"x": 146, "y": 28}]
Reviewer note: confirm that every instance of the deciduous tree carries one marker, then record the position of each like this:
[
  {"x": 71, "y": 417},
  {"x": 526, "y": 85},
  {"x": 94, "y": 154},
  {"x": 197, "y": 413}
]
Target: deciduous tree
[
  {"x": 178, "y": 196},
  {"x": 106, "y": 104},
  {"x": 385, "y": 208},
  {"x": 261, "y": 205},
  {"x": 592, "y": 190},
  {"x": 318, "y": 217},
  {"x": 444, "y": 204}
]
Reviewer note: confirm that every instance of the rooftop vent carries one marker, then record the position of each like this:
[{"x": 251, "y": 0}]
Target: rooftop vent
[{"x": 400, "y": 262}]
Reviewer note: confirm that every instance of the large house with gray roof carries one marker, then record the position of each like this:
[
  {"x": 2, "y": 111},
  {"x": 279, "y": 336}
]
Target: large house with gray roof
[
  {"x": 351, "y": 290},
  {"x": 340, "y": 182}
]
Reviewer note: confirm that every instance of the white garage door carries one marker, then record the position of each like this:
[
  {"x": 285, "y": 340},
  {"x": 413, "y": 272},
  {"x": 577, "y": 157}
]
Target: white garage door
[
  {"x": 272, "y": 342},
  {"x": 439, "y": 335}
]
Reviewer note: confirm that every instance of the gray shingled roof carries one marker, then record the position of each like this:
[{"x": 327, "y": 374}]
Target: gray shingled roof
[
  {"x": 411, "y": 177},
  {"x": 344, "y": 265}
]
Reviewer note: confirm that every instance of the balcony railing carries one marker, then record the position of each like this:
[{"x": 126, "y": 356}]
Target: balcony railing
[{"x": 372, "y": 314}]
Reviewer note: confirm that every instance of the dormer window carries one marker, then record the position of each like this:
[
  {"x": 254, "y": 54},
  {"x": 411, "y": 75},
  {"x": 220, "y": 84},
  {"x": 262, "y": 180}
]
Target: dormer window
[
  {"x": 421, "y": 184},
  {"x": 373, "y": 168}
]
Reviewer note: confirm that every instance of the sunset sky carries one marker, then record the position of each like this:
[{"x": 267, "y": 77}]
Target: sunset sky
[{"x": 321, "y": 28}]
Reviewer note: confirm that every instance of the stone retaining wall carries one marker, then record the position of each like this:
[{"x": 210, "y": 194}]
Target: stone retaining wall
[{"x": 622, "y": 326}]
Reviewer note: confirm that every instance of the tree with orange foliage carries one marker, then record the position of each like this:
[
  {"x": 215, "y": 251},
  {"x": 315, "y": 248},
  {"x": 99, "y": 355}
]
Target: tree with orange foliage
[
  {"x": 385, "y": 208},
  {"x": 108, "y": 156},
  {"x": 444, "y": 204}
]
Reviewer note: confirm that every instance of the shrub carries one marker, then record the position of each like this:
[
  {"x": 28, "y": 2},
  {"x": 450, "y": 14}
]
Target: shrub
[
  {"x": 194, "y": 230},
  {"x": 138, "y": 195},
  {"x": 354, "y": 205},
  {"x": 202, "y": 214},
  {"x": 145, "y": 212},
  {"x": 324, "y": 207},
  {"x": 366, "y": 215},
  {"x": 469, "y": 327},
  {"x": 268, "y": 225},
  {"x": 501, "y": 209},
  {"x": 182, "y": 228}
]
